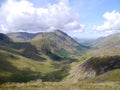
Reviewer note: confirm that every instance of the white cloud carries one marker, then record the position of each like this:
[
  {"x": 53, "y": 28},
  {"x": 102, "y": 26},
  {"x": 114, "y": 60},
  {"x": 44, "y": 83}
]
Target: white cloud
[
  {"x": 23, "y": 16},
  {"x": 3, "y": 28},
  {"x": 112, "y": 22},
  {"x": 79, "y": 29}
]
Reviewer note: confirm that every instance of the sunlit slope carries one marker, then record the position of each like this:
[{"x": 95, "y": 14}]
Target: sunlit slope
[
  {"x": 109, "y": 45},
  {"x": 19, "y": 59},
  {"x": 25, "y": 58},
  {"x": 57, "y": 42}
]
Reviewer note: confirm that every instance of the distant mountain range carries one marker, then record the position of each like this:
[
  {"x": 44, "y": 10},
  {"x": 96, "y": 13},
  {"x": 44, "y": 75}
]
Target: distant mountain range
[
  {"x": 21, "y": 36},
  {"x": 55, "y": 42},
  {"x": 109, "y": 45}
]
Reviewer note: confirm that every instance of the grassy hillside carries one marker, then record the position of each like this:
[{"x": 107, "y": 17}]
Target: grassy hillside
[
  {"x": 13, "y": 67},
  {"x": 108, "y": 46},
  {"x": 58, "y": 43},
  {"x": 22, "y": 61},
  {"x": 93, "y": 67},
  {"x": 16, "y": 68},
  {"x": 53, "y": 56}
]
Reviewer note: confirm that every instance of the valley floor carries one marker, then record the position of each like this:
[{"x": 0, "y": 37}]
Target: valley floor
[{"x": 60, "y": 86}]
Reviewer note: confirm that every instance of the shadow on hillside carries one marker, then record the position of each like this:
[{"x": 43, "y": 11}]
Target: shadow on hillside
[
  {"x": 24, "y": 49},
  {"x": 25, "y": 76},
  {"x": 9, "y": 73},
  {"x": 20, "y": 76},
  {"x": 28, "y": 50},
  {"x": 103, "y": 64},
  {"x": 6, "y": 66}
]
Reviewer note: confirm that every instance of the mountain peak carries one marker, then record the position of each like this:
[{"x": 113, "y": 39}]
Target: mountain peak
[{"x": 59, "y": 31}]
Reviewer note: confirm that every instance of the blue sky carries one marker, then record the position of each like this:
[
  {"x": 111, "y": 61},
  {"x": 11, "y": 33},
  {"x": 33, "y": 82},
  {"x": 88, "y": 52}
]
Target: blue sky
[
  {"x": 78, "y": 18},
  {"x": 91, "y": 12}
]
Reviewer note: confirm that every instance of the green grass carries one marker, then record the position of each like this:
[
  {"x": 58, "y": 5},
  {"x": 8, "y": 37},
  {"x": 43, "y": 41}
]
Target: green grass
[
  {"x": 13, "y": 66},
  {"x": 16, "y": 68},
  {"x": 62, "y": 52},
  {"x": 21, "y": 62}
]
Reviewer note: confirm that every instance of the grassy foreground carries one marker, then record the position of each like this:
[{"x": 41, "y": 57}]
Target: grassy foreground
[{"x": 59, "y": 86}]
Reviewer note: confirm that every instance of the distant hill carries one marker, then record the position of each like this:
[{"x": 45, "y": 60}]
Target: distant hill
[
  {"x": 109, "y": 45},
  {"x": 21, "y": 36},
  {"x": 86, "y": 41}
]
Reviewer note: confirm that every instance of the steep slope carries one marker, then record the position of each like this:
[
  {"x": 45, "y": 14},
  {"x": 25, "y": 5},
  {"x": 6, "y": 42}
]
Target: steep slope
[
  {"x": 5, "y": 39},
  {"x": 104, "y": 58},
  {"x": 21, "y": 62},
  {"x": 26, "y": 58},
  {"x": 57, "y": 42},
  {"x": 93, "y": 67},
  {"x": 110, "y": 76},
  {"x": 38, "y": 53},
  {"x": 22, "y": 48}
]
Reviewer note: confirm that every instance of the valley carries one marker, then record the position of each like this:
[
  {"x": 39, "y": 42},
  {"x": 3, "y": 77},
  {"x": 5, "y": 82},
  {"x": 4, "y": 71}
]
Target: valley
[
  {"x": 59, "y": 44},
  {"x": 54, "y": 59}
]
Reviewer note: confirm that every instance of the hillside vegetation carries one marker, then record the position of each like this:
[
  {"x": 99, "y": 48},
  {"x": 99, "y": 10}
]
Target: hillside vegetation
[
  {"x": 57, "y": 42},
  {"x": 37, "y": 56},
  {"x": 109, "y": 46},
  {"x": 60, "y": 86},
  {"x": 102, "y": 58},
  {"x": 42, "y": 58}
]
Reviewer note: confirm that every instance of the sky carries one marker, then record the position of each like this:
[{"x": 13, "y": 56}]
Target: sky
[{"x": 78, "y": 18}]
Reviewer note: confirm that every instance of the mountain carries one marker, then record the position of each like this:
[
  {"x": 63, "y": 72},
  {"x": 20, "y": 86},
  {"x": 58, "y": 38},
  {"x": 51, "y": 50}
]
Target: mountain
[
  {"x": 41, "y": 55},
  {"x": 21, "y": 36},
  {"x": 57, "y": 42},
  {"x": 51, "y": 56},
  {"x": 21, "y": 61}
]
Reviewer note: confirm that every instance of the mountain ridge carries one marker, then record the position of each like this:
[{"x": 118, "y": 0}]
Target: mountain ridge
[
  {"x": 57, "y": 48},
  {"x": 45, "y": 54}
]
